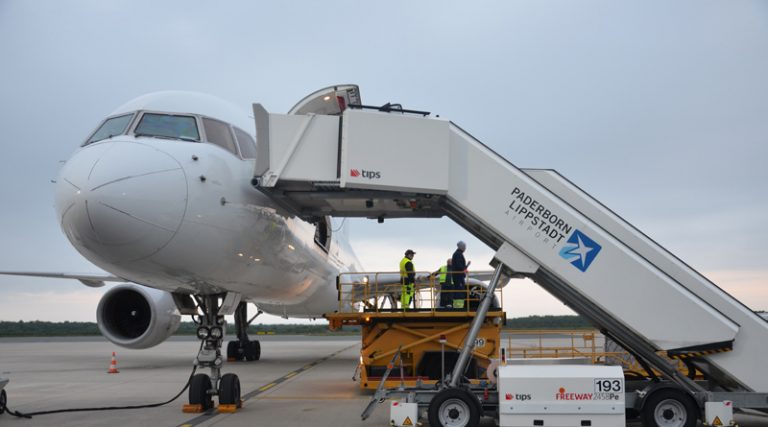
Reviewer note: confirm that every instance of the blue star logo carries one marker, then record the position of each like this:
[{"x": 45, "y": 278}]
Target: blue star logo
[{"x": 580, "y": 250}]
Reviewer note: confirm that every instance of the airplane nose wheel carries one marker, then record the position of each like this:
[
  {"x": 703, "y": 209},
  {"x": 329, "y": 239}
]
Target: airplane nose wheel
[
  {"x": 229, "y": 390},
  {"x": 199, "y": 392}
]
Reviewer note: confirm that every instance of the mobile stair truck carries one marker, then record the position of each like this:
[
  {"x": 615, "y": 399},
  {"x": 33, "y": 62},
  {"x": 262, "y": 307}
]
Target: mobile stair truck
[{"x": 331, "y": 155}]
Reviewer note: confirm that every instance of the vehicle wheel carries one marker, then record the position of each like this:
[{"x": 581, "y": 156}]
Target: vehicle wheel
[
  {"x": 234, "y": 352},
  {"x": 252, "y": 350},
  {"x": 229, "y": 390},
  {"x": 669, "y": 408},
  {"x": 198, "y": 391},
  {"x": 631, "y": 414},
  {"x": 454, "y": 407},
  {"x": 3, "y": 401}
]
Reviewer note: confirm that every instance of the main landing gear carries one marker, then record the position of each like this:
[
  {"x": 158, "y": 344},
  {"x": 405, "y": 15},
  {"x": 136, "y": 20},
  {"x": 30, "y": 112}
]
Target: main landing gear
[
  {"x": 243, "y": 348},
  {"x": 202, "y": 387}
]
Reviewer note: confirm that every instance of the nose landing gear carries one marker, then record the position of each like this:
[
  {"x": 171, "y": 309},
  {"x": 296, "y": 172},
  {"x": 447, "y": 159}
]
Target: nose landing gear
[{"x": 202, "y": 387}]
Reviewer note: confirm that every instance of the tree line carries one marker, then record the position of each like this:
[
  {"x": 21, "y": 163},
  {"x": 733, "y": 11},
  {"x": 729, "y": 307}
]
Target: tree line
[
  {"x": 51, "y": 329},
  {"x": 548, "y": 322},
  {"x": 54, "y": 329}
]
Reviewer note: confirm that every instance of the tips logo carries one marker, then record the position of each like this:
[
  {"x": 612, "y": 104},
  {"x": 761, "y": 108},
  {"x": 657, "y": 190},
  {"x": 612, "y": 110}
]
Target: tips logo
[
  {"x": 516, "y": 396},
  {"x": 356, "y": 173},
  {"x": 580, "y": 250}
]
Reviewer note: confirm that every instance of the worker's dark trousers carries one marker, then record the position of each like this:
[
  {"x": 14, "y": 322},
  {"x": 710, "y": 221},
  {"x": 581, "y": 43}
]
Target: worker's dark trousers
[{"x": 446, "y": 294}]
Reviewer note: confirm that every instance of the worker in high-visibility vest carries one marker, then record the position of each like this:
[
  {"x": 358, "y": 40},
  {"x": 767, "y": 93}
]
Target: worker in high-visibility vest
[
  {"x": 407, "y": 279},
  {"x": 444, "y": 278}
]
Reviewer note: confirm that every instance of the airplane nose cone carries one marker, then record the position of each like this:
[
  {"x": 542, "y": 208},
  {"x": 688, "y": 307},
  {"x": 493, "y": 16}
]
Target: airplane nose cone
[{"x": 121, "y": 201}]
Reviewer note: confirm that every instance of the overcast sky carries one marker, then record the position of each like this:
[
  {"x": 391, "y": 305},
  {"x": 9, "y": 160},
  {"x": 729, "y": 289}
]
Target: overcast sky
[{"x": 659, "y": 109}]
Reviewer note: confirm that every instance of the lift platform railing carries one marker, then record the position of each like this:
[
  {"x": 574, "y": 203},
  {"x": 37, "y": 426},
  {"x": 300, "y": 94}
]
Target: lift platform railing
[
  {"x": 585, "y": 344},
  {"x": 381, "y": 292},
  {"x": 571, "y": 343}
]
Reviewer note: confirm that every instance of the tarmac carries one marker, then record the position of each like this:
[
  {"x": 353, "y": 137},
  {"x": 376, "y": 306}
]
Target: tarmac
[{"x": 300, "y": 380}]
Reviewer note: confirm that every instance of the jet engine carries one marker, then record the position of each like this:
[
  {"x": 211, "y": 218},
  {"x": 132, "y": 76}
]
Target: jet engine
[{"x": 137, "y": 317}]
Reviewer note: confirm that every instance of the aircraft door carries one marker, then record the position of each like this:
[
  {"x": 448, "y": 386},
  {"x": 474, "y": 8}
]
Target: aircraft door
[{"x": 323, "y": 233}]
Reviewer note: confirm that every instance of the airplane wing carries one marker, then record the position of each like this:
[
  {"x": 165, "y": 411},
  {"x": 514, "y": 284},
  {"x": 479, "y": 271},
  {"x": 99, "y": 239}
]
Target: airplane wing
[{"x": 91, "y": 280}]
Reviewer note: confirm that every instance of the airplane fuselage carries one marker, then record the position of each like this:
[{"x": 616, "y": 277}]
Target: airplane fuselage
[{"x": 181, "y": 215}]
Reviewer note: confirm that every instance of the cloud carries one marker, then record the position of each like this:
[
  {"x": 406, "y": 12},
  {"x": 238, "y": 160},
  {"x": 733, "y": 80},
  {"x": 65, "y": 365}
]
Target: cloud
[
  {"x": 750, "y": 287},
  {"x": 667, "y": 128}
]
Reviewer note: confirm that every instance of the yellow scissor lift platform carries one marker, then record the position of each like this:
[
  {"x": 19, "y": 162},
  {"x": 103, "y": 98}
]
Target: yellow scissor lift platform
[{"x": 424, "y": 336}]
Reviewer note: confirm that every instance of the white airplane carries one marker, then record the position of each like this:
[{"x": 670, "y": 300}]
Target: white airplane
[{"x": 160, "y": 196}]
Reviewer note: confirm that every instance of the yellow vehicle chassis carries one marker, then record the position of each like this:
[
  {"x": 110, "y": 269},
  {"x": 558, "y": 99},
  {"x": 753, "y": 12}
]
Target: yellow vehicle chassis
[{"x": 417, "y": 334}]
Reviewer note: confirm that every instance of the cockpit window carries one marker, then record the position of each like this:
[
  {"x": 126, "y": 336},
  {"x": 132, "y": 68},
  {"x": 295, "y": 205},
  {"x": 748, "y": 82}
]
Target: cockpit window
[
  {"x": 168, "y": 126},
  {"x": 247, "y": 146},
  {"x": 218, "y": 133},
  {"x": 111, "y": 127}
]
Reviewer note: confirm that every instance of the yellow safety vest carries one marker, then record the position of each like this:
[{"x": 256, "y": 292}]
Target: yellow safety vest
[
  {"x": 403, "y": 271},
  {"x": 443, "y": 273}
]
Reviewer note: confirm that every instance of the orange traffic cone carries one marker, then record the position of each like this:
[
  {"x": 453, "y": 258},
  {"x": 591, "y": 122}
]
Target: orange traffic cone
[{"x": 113, "y": 365}]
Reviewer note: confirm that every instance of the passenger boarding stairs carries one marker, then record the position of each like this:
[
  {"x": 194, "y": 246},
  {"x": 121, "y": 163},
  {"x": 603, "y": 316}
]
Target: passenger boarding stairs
[{"x": 329, "y": 156}]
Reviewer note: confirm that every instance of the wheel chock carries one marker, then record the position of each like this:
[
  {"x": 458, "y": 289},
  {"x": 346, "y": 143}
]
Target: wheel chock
[
  {"x": 192, "y": 409},
  {"x": 231, "y": 408}
]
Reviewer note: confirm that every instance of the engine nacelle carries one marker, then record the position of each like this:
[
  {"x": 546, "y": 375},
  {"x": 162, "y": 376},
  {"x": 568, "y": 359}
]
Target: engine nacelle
[{"x": 137, "y": 317}]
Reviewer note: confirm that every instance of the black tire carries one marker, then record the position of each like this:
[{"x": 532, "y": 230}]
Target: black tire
[
  {"x": 252, "y": 351},
  {"x": 3, "y": 401},
  {"x": 234, "y": 352},
  {"x": 229, "y": 390},
  {"x": 198, "y": 391},
  {"x": 631, "y": 414},
  {"x": 454, "y": 407},
  {"x": 669, "y": 407}
]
